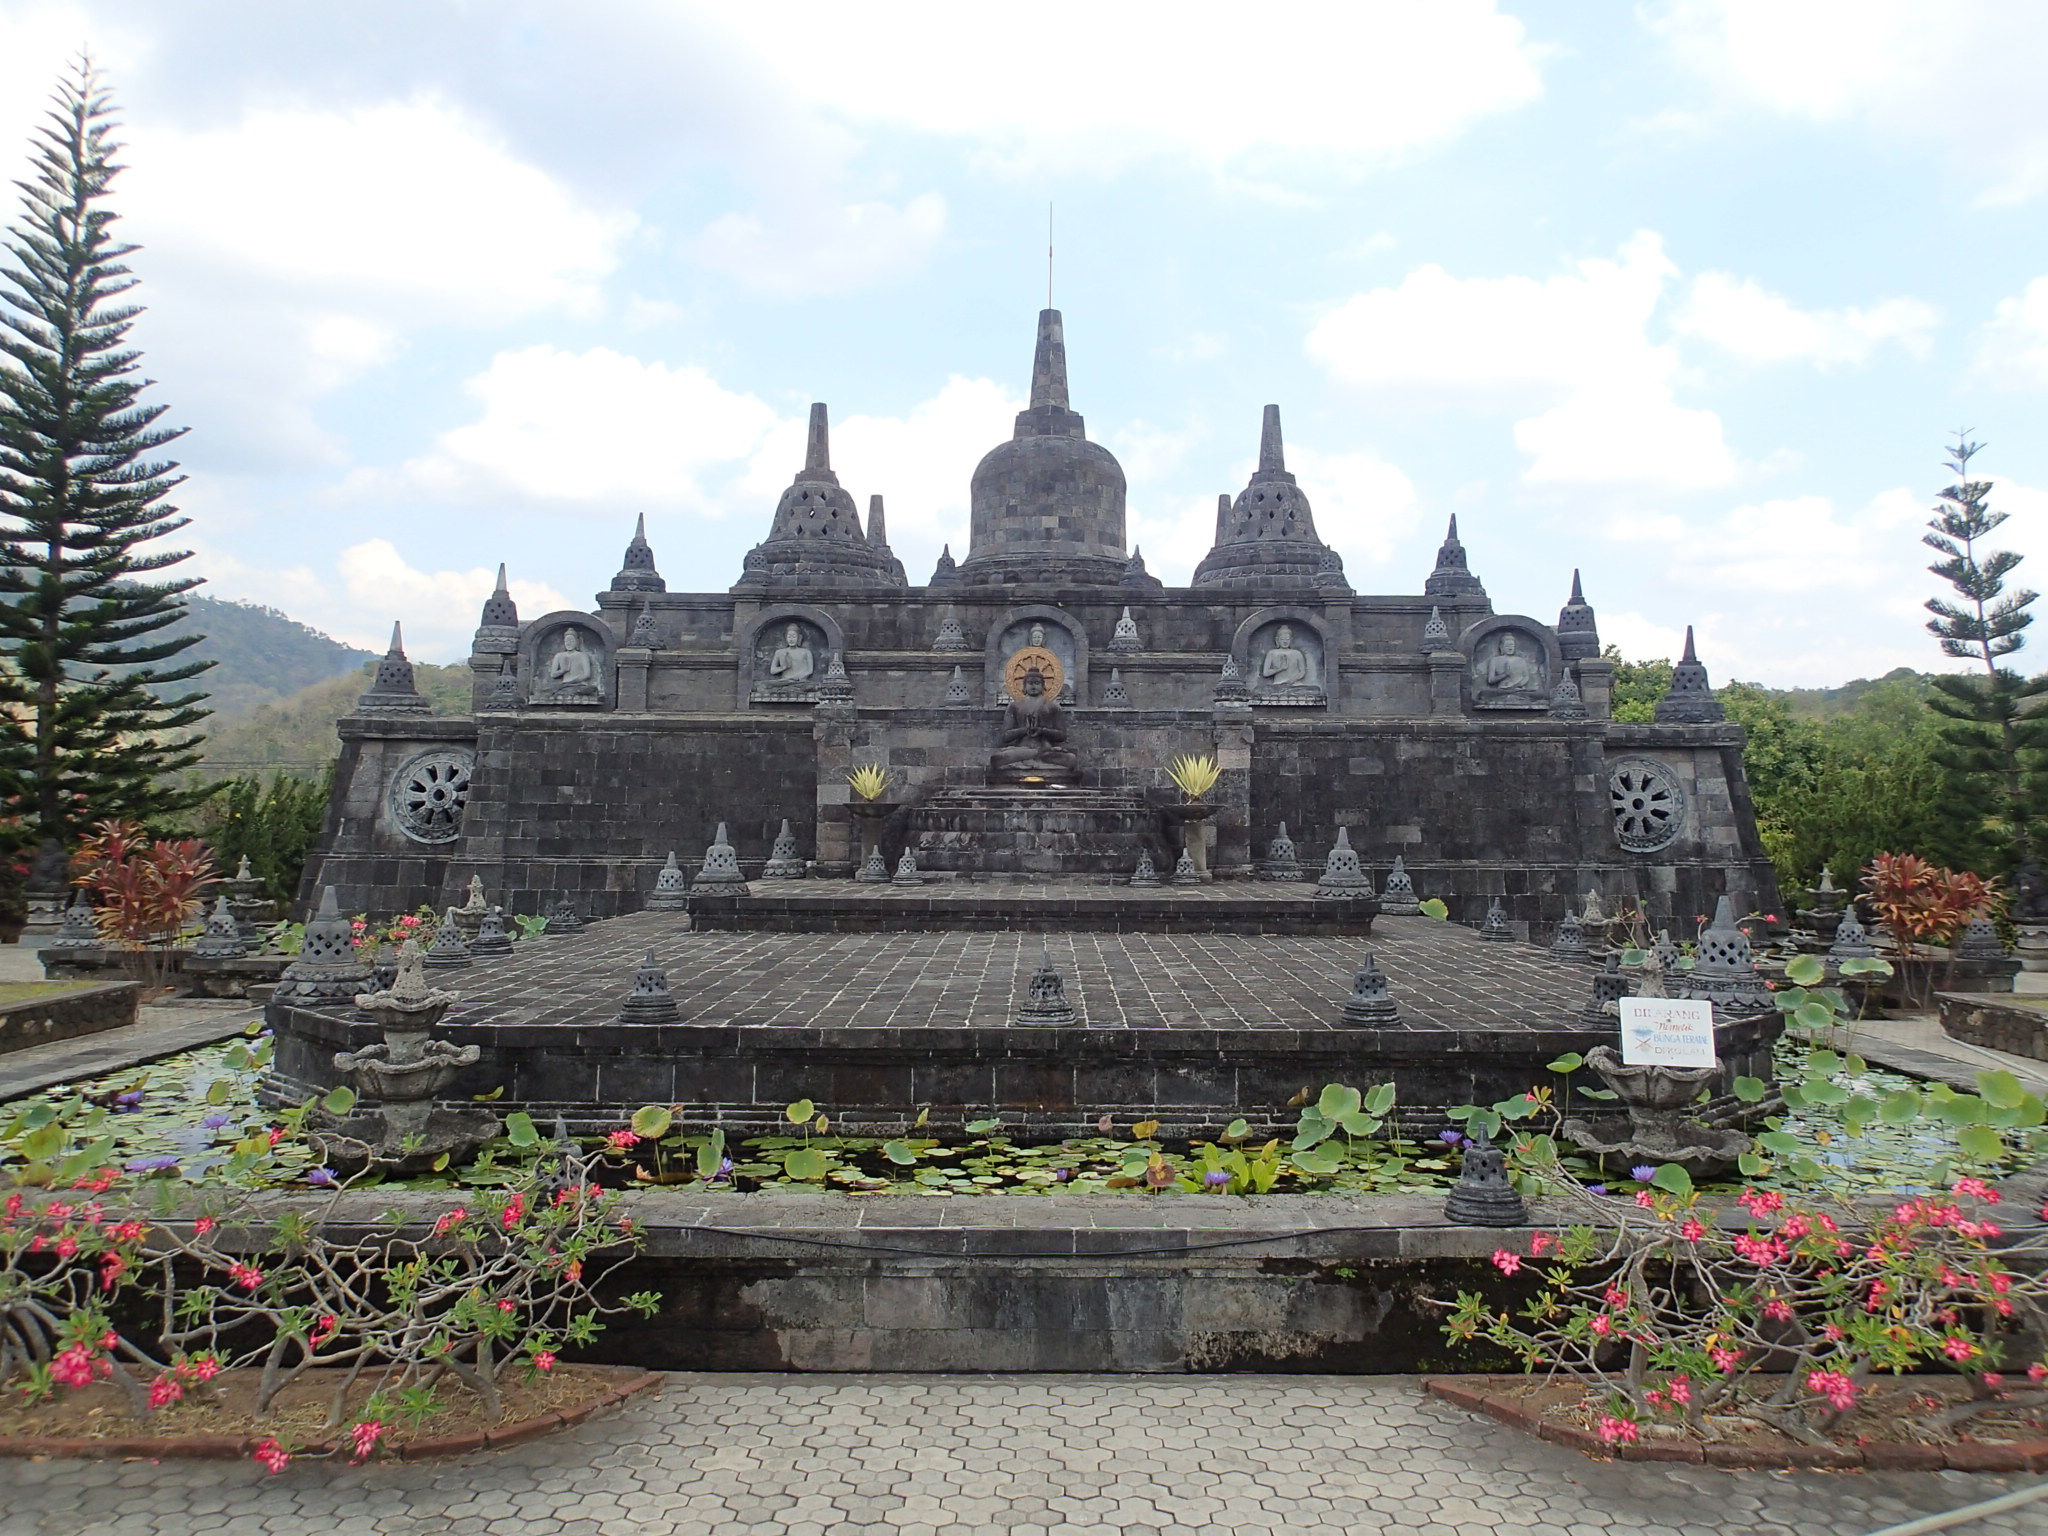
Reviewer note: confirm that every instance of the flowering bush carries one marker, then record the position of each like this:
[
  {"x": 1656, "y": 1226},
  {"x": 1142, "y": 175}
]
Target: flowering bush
[
  {"x": 1671, "y": 1315},
  {"x": 500, "y": 1282}
]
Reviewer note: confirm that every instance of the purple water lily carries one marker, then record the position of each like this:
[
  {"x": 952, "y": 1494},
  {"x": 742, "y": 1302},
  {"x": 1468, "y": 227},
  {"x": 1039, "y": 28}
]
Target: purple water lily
[
  {"x": 127, "y": 1103},
  {"x": 1642, "y": 1173},
  {"x": 1450, "y": 1137},
  {"x": 215, "y": 1122},
  {"x": 1215, "y": 1178},
  {"x": 1061, "y": 1175},
  {"x": 163, "y": 1162},
  {"x": 1596, "y": 1189},
  {"x": 322, "y": 1178}
]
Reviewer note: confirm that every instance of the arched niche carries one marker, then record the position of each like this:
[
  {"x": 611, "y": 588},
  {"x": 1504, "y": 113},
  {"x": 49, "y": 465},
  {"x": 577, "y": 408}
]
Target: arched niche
[
  {"x": 1064, "y": 637},
  {"x": 1512, "y": 663},
  {"x": 1314, "y": 661},
  {"x": 548, "y": 681},
  {"x": 819, "y": 633}
]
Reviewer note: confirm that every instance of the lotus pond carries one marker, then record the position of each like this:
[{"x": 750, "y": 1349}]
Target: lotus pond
[{"x": 185, "y": 1118}]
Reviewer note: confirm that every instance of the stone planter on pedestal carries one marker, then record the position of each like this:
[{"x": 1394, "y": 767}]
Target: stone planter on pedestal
[
  {"x": 1188, "y": 816},
  {"x": 1662, "y": 1122}
]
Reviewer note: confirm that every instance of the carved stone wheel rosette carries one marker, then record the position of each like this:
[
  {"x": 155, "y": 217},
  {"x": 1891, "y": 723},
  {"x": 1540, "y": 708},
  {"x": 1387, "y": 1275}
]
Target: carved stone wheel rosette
[
  {"x": 429, "y": 793},
  {"x": 1648, "y": 802}
]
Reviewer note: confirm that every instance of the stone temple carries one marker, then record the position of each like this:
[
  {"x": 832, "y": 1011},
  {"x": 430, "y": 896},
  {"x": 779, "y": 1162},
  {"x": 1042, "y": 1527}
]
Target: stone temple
[{"x": 1477, "y": 746}]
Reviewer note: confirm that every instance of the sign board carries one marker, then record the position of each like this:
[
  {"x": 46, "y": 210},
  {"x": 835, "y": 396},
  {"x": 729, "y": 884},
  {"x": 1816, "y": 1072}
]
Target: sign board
[{"x": 1667, "y": 1032}]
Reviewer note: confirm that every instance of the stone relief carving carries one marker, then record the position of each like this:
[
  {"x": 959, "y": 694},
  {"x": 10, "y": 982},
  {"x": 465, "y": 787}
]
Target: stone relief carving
[
  {"x": 1649, "y": 804},
  {"x": 1032, "y": 642},
  {"x": 570, "y": 669},
  {"x": 789, "y": 661},
  {"x": 1509, "y": 671},
  {"x": 1286, "y": 664},
  {"x": 428, "y": 794}
]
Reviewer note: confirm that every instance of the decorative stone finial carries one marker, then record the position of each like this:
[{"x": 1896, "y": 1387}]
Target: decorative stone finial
[
  {"x": 1398, "y": 898},
  {"x": 1146, "y": 876},
  {"x": 1436, "y": 634},
  {"x": 1343, "y": 875},
  {"x": 1230, "y": 685},
  {"x": 646, "y": 633},
  {"x": 720, "y": 875},
  {"x": 497, "y": 632},
  {"x": 951, "y": 636},
  {"x": 878, "y": 540},
  {"x": 650, "y": 1001},
  {"x": 493, "y": 935},
  {"x": 1483, "y": 1195},
  {"x": 1578, "y": 637},
  {"x": 1125, "y": 636},
  {"x": 947, "y": 571},
  {"x": 906, "y": 869},
  {"x": 1045, "y": 999},
  {"x": 563, "y": 921},
  {"x": 1135, "y": 574},
  {"x": 1609, "y": 987},
  {"x": 836, "y": 687},
  {"x": 505, "y": 691},
  {"x": 784, "y": 861},
  {"x": 1049, "y": 364},
  {"x": 392, "y": 691},
  {"x": 671, "y": 890},
  {"x": 1116, "y": 696},
  {"x": 1980, "y": 941},
  {"x": 1724, "y": 970},
  {"x": 327, "y": 971},
  {"x": 958, "y": 694},
  {"x": 448, "y": 951},
  {"x": 1566, "y": 703},
  {"x": 1369, "y": 1006},
  {"x": 222, "y": 939},
  {"x": 79, "y": 930},
  {"x": 636, "y": 571},
  {"x": 1851, "y": 941},
  {"x": 1281, "y": 862},
  {"x": 874, "y": 871},
  {"x": 1495, "y": 927},
  {"x": 1690, "y": 700},
  {"x": 1452, "y": 578},
  {"x": 1590, "y": 914},
  {"x": 1568, "y": 947}
]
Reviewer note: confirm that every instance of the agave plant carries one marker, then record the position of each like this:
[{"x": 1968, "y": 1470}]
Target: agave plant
[
  {"x": 869, "y": 781},
  {"x": 1196, "y": 776}
]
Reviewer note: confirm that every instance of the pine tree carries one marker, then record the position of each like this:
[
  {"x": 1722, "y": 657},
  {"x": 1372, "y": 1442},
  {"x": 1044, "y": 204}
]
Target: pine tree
[
  {"x": 94, "y": 721},
  {"x": 1993, "y": 739}
]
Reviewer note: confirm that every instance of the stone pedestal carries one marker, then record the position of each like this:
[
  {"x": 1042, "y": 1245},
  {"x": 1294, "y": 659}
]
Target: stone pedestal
[
  {"x": 1446, "y": 674},
  {"x": 634, "y": 662},
  {"x": 1596, "y": 687}
]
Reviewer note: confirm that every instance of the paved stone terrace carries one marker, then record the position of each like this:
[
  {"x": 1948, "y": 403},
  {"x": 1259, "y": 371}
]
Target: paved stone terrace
[
  {"x": 1003, "y": 1456},
  {"x": 1443, "y": 977}
]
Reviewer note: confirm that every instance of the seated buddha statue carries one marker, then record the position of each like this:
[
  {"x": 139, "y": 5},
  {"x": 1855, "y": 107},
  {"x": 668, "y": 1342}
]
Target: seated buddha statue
[{"x": 1034, "y": 740}]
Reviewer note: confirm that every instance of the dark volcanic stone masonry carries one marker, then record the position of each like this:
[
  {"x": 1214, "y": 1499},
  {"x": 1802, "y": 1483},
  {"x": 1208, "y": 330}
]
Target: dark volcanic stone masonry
[
  {"x": 1196, "y": 1028},
  {"x": 1478, "y": 747}
]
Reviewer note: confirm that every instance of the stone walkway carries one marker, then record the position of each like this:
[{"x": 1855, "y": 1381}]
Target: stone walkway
[{"x": 1009, "y": 1456}]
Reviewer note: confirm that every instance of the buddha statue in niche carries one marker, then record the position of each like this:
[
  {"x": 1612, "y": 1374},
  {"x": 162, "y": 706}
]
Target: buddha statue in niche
[
  {"x": 1284, "y": 666},
  {"x": 1033, "y": 749},
  {"x": 792, "y": 661},
  {"x": 572, "y": 674}
]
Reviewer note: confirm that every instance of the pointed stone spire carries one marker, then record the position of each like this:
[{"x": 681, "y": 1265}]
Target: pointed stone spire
[
  {"x": 1267, "y": 538},
  {"x": 1146, "y": 876},
  {"x": 1452, "y": 578},
  {"x": 392, "y": 691},
  {"x": 1049, "y": 363},
  {"x": 1369, "y": 1006},
  {"x": 646, "y": 634},
  {"x": 449, "y": 951},
  {"x": 79, "y": 930},
  {"x": 563, "y": 921},
  {"x": 816, "y": 538},
  {"x": 1690, "y": 700},
  {"x": 497, "y": 631},
  {"x": 1568, "y": 945},
  {"x": 836, "y": 686},
  {"x": 328, "y": 970},
  {"x": 878, "y": 540},
  {"x": 1135, "y": 574},
  {"x": 1578, "y": 636},
  {"x": 906, "y": 869},
  {"x": 1724, "y": 968},
  {"x": 1230, "y": 687},
  {"x": 818, "y": 448},
  {"x": 636, "y": 571}
]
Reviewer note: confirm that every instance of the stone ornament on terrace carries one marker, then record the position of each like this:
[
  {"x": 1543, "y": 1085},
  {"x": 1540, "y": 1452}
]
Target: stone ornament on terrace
[
  {"x": 1342, "y": 874},
  {"x": 493, "y": 935},
  {"x": 785, "y": 861},
  {"x": 222, "y": 938},
  {"x": 671, "y": 888},
  {"x": 1398, "y": 899},
  {"x": 1281, "y": 862},
  {"x": 449, "y": 951}
]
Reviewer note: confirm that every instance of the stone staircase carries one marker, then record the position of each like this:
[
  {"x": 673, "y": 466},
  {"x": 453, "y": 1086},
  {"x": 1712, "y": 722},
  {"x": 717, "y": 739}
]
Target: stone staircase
[{"x": 1051, "y": 831}]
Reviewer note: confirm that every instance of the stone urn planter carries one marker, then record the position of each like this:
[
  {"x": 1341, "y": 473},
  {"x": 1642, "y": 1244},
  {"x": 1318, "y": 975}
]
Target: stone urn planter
[
  {"x": 1188, "y": 816},
  {"x": 868, "y": 816},
  {"x": 2032, "y": 947},
  {"x": 1659, "y": 1124}
]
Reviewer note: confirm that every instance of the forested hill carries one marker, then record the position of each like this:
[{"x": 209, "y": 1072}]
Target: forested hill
[{"x": 259, "y": 655}]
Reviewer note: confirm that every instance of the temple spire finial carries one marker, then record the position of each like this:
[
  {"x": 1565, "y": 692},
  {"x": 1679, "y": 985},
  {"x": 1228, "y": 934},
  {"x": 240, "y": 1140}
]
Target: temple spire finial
[
  {"x": 398, "y": 640},
  {"x": 818, "y": 453},
  {"x": 1222, "y": 516},
  {"x": 1272, "y": 457},
  {"x": 1578, "y": 592},
  {"x": 1049, "y": 365},
  {"x": 501, "y": 587}
]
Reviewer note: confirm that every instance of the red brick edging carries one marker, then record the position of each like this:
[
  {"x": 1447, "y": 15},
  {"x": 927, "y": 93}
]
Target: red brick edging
[
  {"x": 227, "y": 1447},
  {"x": 1965, "y": 1456}
]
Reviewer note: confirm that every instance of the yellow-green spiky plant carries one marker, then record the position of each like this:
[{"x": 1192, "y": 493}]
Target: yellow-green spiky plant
[
  {"x": 1196, "y": 776},
  {"x": 869, "y": 781}
]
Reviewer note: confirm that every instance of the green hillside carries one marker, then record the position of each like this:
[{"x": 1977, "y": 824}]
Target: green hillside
[{"x": 296, "y": 735}]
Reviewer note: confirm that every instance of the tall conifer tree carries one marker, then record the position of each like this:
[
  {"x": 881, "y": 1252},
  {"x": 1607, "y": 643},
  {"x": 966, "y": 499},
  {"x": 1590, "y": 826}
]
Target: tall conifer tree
[
  {"x": 1993, "y": 737},
  {"x": 96, "y": 715}
]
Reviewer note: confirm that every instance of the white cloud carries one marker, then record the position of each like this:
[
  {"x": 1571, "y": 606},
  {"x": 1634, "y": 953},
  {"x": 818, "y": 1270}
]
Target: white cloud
[
  {"x": 411, "y": 208},
  {"x": 1741, "y": 317},
  {"x": 807, "y": 250},
  {"x": 594, "y": 428},
  {"x": 2014, "y": 348},
  {"x": 1363, "y": 505},
  {"x": 1963, "y": 74},
  {"x": 1581, "y": 335},
  {"x": 1088, "y": 87}
]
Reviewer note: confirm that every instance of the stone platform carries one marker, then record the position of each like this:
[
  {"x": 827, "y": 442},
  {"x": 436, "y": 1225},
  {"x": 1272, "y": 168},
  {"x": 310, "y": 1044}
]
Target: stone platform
[
  {"x": 1104, "y": 904},
  {"x": 1195, "y": 1029},
  {"x": 1072, "y": 831}
]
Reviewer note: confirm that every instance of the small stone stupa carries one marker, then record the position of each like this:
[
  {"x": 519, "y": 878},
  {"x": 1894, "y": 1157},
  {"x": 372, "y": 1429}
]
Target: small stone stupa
[
  {"x": 1690, "y": 699},
  {"x": 1724, "y": 973},
  {"x": 874, "y": 871},
  {"x": 1342, "y": 873},
  {"x": 1851, "y": 941},
  {"x": 1483, "y": 1195},
  {"x": 493, "y": 935},
  {"x": 951, "y": 637},
  {"x": 958, "y": 694},
  {"x": 79, "y": 930},
  {"x": 650, "y": 1001},
  {"x": 222, "y": 939},
  {"x": 1146, "y": 876},
  {"x": 1398, "y": 899},
  {"x": 449, "y": 951},
  {"x": 328, "y": 970},
  {"x": 1281, "y": 863},
  {"x": 563, "y": 921},
  {"x": 392, "y": 691},
  {"x": 1568, "y": 946},
  {"x": 1116, "y": 695},
  {"x": 1369, "y": 1006},
  {"x": 1495, "y": 928},
  {"x": 906, "y": 869},
  {"x": 469, "y": 917},
  {"x": 671, "y": 889},
  {"x": 1184, "y": 871},
  {"x": 1609, "y": 988},
  {"x": 1045, "y": 998},
  {"x": 784, "y": 861},
  {"x": 720, "y": 875},
  {"x": 1125, "y": 636},
  {"x": 1436, "y": 634}
]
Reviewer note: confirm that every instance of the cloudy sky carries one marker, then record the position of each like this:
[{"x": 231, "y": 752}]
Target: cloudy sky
[{"x": 1691, "y": 295}]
